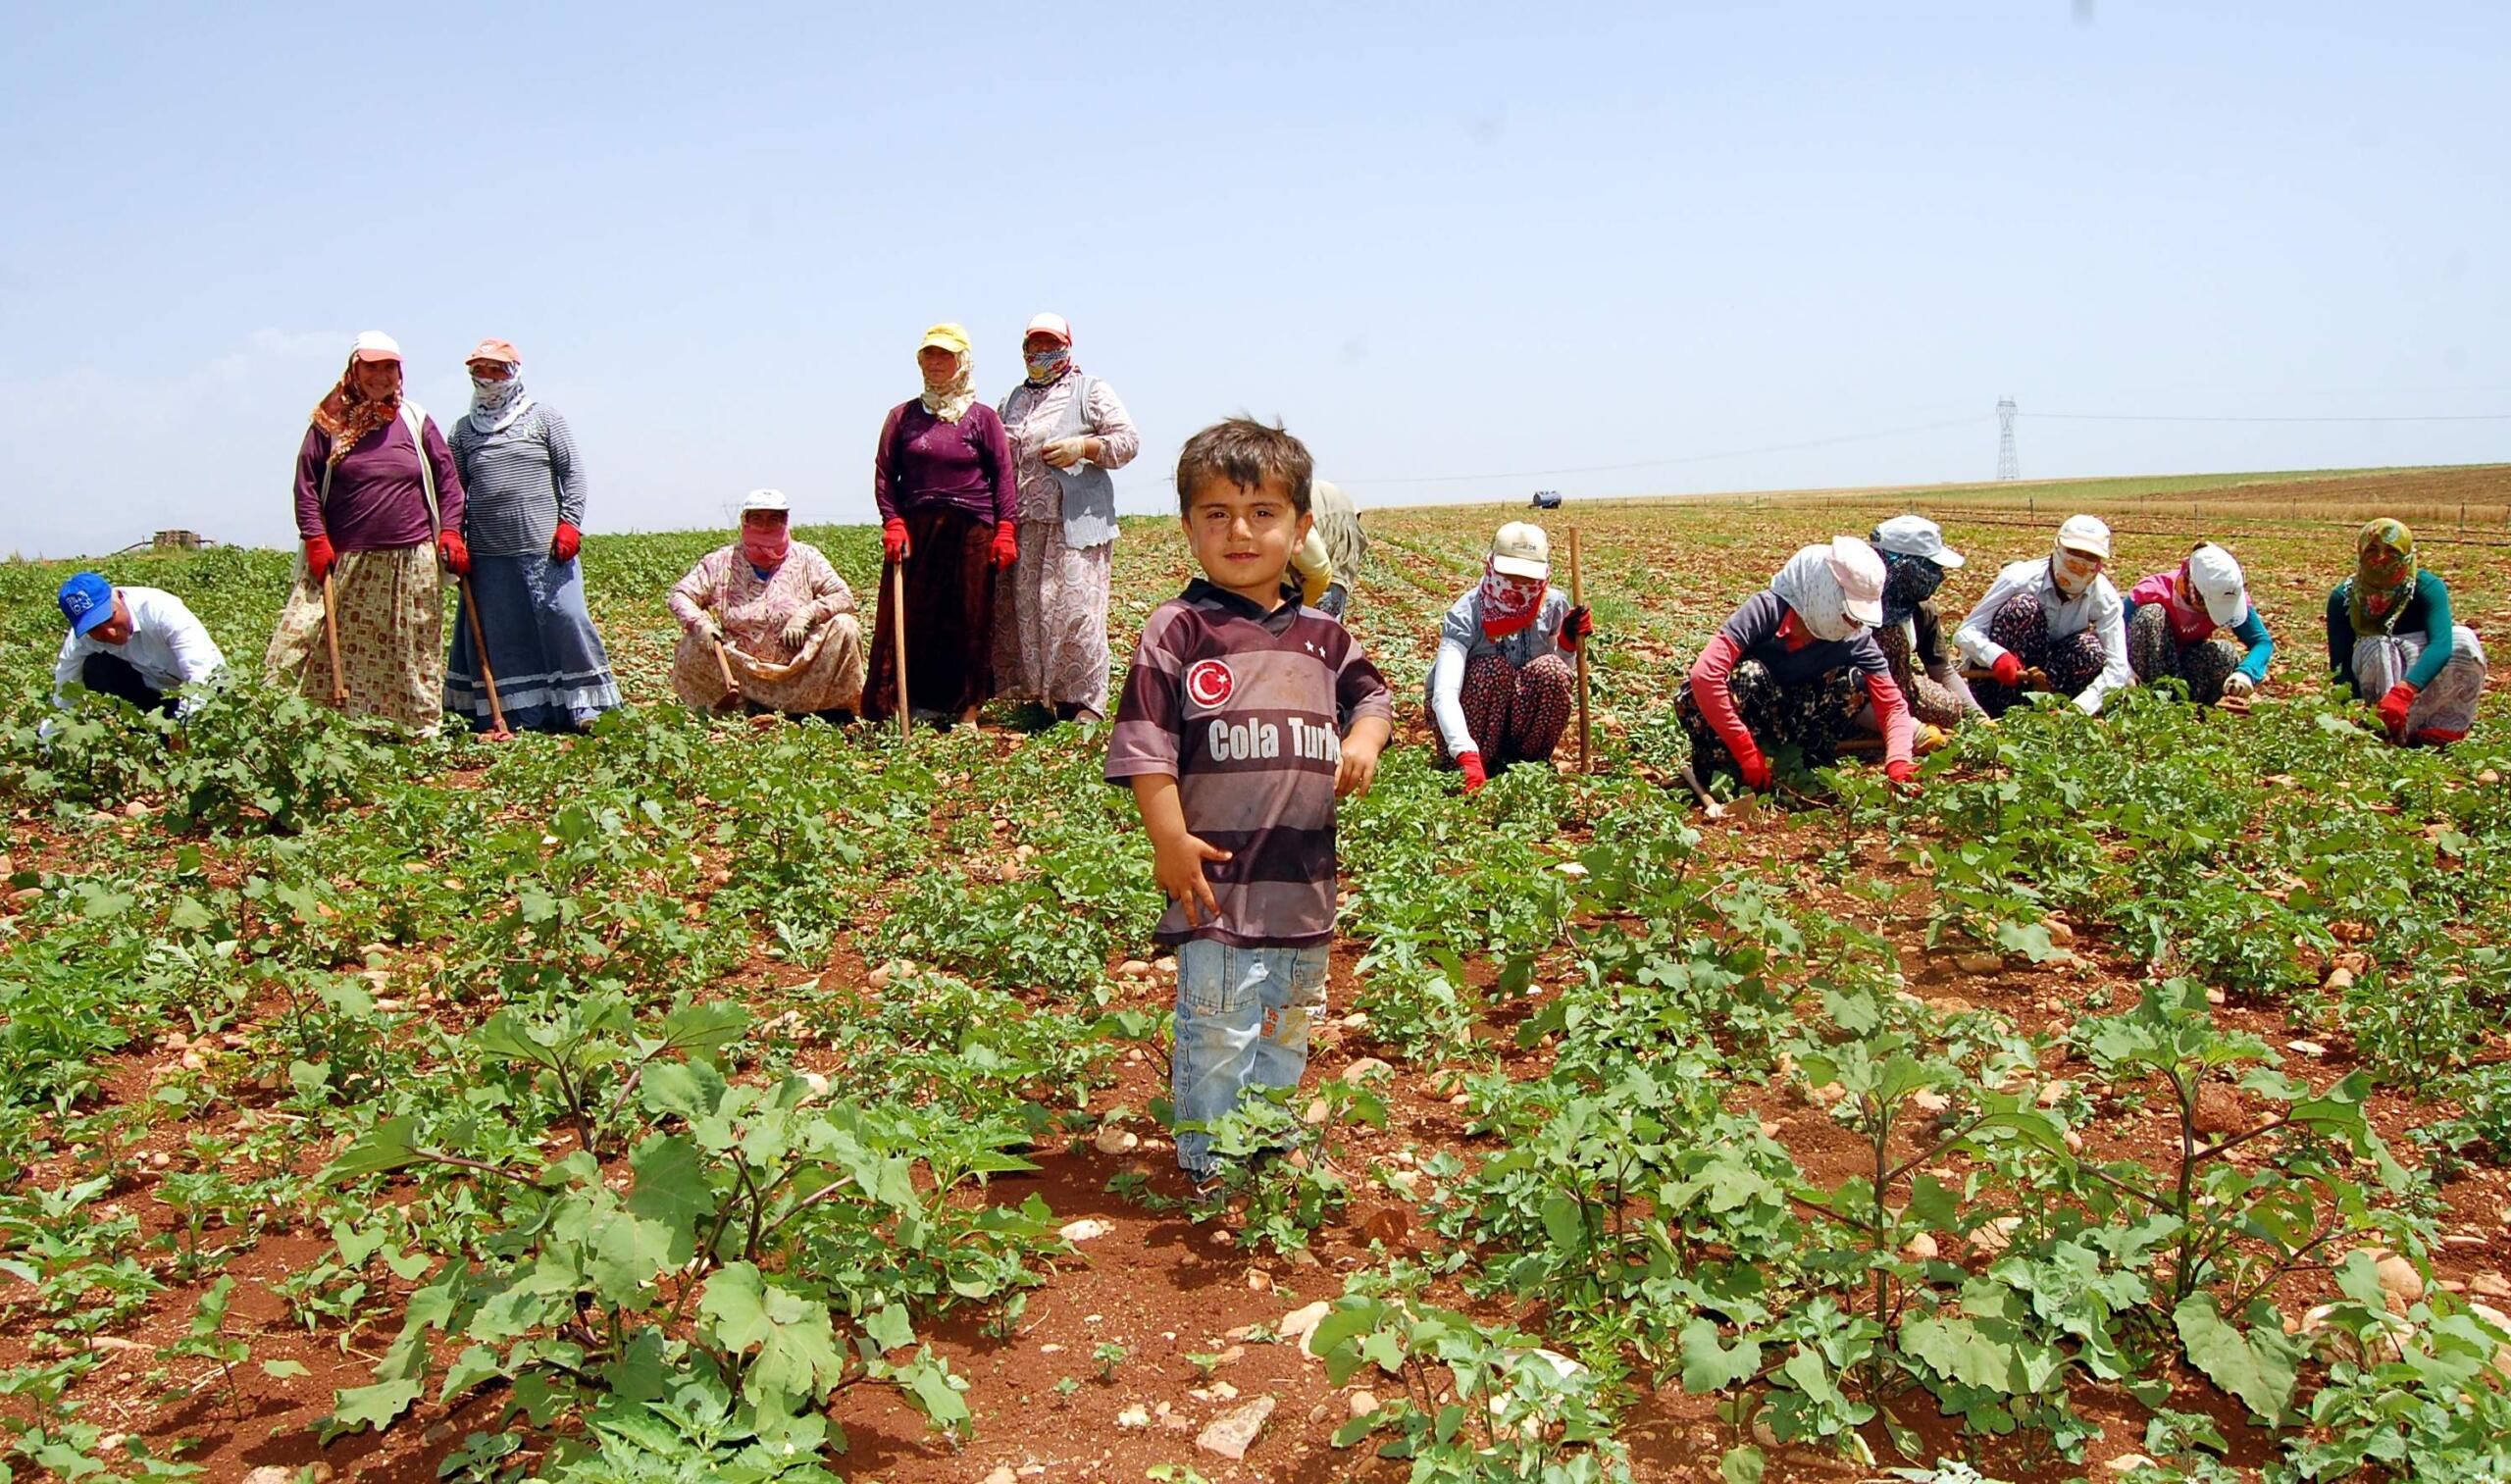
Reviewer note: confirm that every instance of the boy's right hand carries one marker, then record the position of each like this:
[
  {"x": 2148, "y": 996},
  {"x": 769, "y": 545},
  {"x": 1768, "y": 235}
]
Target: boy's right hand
[{"x": 1177, "y": 865}]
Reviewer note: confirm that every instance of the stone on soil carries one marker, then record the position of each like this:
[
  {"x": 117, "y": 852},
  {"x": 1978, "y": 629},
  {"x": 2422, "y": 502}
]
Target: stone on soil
[{"x": 1230, "y": 1434}]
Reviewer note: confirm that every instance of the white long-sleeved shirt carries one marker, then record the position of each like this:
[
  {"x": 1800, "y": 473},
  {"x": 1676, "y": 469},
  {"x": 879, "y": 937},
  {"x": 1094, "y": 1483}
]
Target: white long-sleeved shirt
[
  {"x": 168, "y": 646},
  {"x": 2098, "y": 608}
]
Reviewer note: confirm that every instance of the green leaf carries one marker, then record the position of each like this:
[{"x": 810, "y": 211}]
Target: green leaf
[
  {"x": 1709, "y": 1365},
  {"x": 799, "y": 1361},
  {"x": 889, "y": 1327},
  {"x": 2257, "y": 1367},
  {"x": 285, "y": 1370},
  {"x": 1742, "y": 1465},
  {"x": 363, "y": 1406},
  {"x": 671, "y": 1191},
  {"x": 2030, "y": 939},
  {"x": 389, "y": 1145},
  {"x": 1956, "y": 1349}
]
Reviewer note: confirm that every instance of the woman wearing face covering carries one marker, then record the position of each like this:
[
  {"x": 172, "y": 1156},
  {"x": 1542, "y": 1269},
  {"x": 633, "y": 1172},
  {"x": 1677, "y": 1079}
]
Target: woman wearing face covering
[
  {"x": 524, "y": 521},
  {"x": 2171, "y": 619},
  {"x": 2392, "y": 638},
  {"x": 378, "y": 504},
  {"x": 781, "y": 618},
  {"x": 1787, "y": 669},
  {"x": 943, "y": 479},
  {"x": 2056, "y": 614},
  {"x": 1500, "y": 688},
  {"x": 1067, "y": 431},
  {"x": 1915, "y": 562}
]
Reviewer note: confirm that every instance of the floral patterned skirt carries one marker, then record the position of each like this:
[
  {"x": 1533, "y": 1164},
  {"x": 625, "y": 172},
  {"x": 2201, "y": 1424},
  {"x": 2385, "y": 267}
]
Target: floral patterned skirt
[{"x": 390, "y": 610}]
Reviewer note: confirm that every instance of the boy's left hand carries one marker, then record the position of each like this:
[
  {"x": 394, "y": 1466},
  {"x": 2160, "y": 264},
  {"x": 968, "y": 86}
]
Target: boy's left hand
[{"x": 1358, "y": 768}]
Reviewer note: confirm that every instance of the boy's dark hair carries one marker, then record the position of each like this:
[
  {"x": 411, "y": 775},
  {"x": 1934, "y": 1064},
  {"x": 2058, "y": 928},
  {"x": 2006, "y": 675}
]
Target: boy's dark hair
[{"x": 1246, "y": 454}]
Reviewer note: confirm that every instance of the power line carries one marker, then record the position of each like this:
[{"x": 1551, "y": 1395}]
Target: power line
[
  {"x": 2165, "y": 417},
  {"x": 1693, "y": 458}
]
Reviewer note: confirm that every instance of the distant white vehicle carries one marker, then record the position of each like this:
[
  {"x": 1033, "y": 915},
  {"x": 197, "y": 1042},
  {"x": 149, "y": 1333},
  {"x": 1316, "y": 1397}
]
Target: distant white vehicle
[{"x": 1547, "y": 500}]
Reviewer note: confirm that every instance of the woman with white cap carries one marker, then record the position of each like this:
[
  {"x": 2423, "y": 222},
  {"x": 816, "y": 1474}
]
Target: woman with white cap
[
  {"x": 950, "y": 507},
  {"x": 1500, "y": 688},
  {"x": 770, "y": 612},
  {"x": 379, "y": 506},
  {"x": 524, "y": 521},
  {"x": 1916, "y": 560},
  {"x": 2055, "y": 614},
  {"x": 2171, "y": 619},
  {"x": 1067, "y": 431},
  {"x": 2391, "y": 640},
  {"x": 1786, "y": 670}
]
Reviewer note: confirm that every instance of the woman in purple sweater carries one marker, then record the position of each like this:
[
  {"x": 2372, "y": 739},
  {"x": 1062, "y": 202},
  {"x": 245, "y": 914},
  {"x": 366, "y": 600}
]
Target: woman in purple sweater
[
  {"x": 379, "y": 506},
  {"x": 943, "y": 480}
]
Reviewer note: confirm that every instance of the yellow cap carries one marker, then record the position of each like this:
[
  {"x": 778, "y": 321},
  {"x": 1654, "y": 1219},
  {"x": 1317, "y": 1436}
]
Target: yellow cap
[{"x": 948, "y": 335}]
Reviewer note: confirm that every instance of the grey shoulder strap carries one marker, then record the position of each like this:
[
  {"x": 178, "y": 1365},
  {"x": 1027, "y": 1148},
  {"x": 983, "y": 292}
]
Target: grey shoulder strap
[{"x": 415, "y": 417}]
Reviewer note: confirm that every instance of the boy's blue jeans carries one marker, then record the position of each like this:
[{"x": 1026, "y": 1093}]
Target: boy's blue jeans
[{"x": 1241, "y": 1022}]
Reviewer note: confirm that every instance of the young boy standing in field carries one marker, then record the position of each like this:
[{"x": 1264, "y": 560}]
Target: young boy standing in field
[{"x": 1243, "y": 718}]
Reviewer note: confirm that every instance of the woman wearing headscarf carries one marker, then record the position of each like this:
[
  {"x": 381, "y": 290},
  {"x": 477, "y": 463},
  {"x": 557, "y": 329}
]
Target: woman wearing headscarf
[
  {"x": 943, "y": 480},
  {"x": 1336, "y": 530},
  {"x": 1067, "y": 431},
  {"x": 2391, "y": 638},
  {"x": 1916, "y": 560},
  {"x": 523, "y": 521},
  {"x": 772, "y": 612},
  {"x": 2056, "y": 614},
  {"x": 378, "y": 504},
  {"x": 1500, "y": 688},
  {"x": 2171, "y": 619},
  {"x": 1788, "y": 667}
]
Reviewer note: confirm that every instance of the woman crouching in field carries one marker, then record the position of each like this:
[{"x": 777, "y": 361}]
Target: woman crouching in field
[
  {"x": 1786, "y": 670},
  {"x": 2392, "y": 638},
  {"x": 2055, "y": 615},
  {"x": 770, "y": 613},
  {"x": 2171, "y": 619},
  {"x": 1501, "y": 688},
  {"x": 1913, "y": 637}
]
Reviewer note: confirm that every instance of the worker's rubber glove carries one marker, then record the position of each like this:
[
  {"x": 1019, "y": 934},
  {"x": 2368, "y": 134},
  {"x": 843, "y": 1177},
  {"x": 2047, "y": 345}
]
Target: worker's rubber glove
[{"x": 1470, "y": 765}]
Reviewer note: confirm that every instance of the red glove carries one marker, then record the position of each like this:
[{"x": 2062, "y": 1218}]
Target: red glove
[
  {"x": 566, "y": 543},
  {"x": 1575, "y": 626},
  {"x": 319, "y": 557},
  {"x": 1903, "y": 773},
  {"x": 458, "y": 556},
  {"x": 2009, "y": 670},
  {"x": 893, "y": 539},
  {"x": 1470, "y": 764},
  {"x": 2395, "y": 705},
  {"x": 1755, "y": 768},
  {"x": 1007, "y": 545}
]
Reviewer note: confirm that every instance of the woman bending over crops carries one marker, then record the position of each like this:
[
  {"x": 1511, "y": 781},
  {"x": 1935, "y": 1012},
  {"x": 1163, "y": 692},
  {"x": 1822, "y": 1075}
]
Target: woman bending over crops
[
  {"x": 1501, "y": 688},
  {"x": 2057, "y": 616},
  {"x": 2171, "y": 619},
  {"x": 378, "y": 504},
  {"x": 2392, "y": 638},
  {"x": 767, "y": 622},
  {"x": 943, "y": 480},
  {"x": 1924, "y": 667},
  {"x": 1792, "y": 666},
  {"x": 1067, "y": 431}
]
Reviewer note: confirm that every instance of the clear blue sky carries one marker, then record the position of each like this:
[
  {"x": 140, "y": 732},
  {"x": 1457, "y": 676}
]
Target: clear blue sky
[{"x": 1438, "y": 241}]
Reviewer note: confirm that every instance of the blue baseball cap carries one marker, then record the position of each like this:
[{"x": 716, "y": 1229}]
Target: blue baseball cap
[{"x": 86, "y": 600}]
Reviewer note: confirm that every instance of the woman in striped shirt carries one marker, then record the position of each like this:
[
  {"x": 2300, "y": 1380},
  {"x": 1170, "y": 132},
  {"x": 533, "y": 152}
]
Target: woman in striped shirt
[{"x": 523, "y": 521}]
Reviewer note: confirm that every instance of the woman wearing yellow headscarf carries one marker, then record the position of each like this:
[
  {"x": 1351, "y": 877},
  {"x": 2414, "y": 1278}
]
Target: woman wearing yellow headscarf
[
  {"x": 2392, "y": 638},
  {"x": 943, "y": 478}
]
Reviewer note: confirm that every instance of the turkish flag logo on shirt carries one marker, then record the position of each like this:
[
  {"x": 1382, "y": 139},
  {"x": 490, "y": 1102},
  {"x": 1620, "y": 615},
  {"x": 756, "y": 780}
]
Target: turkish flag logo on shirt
[{"x": 1208, "y": 682}]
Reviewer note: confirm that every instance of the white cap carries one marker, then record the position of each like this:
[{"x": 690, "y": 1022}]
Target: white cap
[
  {"x": 1860, "y": 573},
  {"x": 2085, "y": 533},
  {"x": 1521, "y": 550},
  {"x": 1050, "y": 324},
  {"x": 766, "y": 499},
  {"x": 374, "y": 345},
  {"x": 1916, "y": 536},
  {"x": 2217, "y": 578}
]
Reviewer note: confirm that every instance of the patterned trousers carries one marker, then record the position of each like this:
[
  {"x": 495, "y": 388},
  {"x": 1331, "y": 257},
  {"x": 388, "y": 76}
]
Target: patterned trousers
[
  {"x": 1812, "y": 716},
  {"x": 2154, "y": 651},
  {"x": 1516, "y": 716},
  {"x": 2070, "y": 663},
  {"x": 2444, "y": 710}
]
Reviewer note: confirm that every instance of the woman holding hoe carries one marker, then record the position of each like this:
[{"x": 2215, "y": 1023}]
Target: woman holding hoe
[
  {"x": 943, "y": 478},
  {"x": 379, "y": 506}
]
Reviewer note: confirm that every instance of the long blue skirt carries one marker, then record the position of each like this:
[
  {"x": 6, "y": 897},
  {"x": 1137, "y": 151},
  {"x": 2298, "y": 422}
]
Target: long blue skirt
[{"x": 553, "y": 675}]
